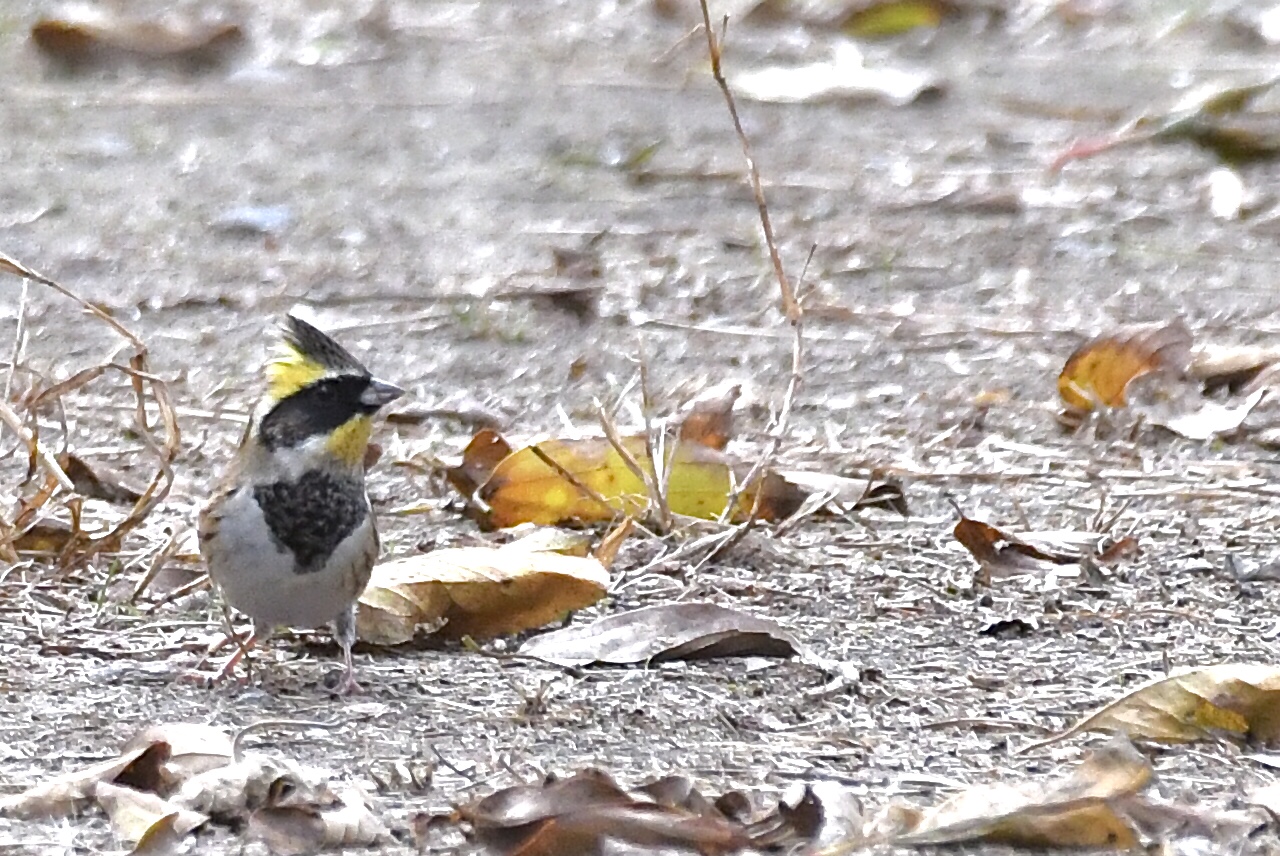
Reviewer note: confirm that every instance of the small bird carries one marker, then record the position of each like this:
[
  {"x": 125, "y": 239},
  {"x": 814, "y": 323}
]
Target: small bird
[{"x": 289, "y": 537}]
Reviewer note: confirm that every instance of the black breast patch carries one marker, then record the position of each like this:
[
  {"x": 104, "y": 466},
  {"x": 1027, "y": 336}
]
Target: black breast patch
[{"x": 313, "y": 515}]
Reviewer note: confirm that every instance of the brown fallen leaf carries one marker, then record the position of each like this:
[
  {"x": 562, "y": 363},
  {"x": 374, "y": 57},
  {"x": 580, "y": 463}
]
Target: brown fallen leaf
[
  {"x": 101, "y": 483},
  {"x": 1083, "y": 808},
  {"x": 1001, "y": 554},
  {"x": 577, "y": 814},
  {"x": 486, "y": 450},
  {"x": 708, "y": 419},
  {"x": 92, "y": 36},
  {"x": 1236, "y": 700},
  {"x": 51, "y": 536},
  {"x": 138, "y": 768},
  {"x": 194, "y": 748},
  {"x": 675, "y": 631},
  {"x": 1099, "y": 371},
  {"x": 479, "y": 592}
]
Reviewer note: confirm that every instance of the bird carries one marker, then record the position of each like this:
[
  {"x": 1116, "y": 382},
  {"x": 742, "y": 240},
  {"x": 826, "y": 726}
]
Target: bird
[{"x": 289, "y": 536}]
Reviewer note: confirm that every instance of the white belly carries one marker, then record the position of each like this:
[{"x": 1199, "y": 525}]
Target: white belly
[{"x": 258, "y": 576}]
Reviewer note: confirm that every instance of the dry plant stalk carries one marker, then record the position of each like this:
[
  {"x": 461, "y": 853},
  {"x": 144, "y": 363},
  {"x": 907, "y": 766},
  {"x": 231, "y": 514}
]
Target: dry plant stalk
[
  {"x": 142, "y": 382},
  {"x": 791, "y": 304}
]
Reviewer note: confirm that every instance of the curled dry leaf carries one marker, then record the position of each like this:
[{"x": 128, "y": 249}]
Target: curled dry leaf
[
  {"x": 138, "y": 768},
  {"x": 97, "y": 484},
  {"x": 675, "y": 631},
  {"x": 135, "y": 815},
  {"x": 1002, "y": 554},
  {"x": 577, "y": 815},
  {"x": 708, "y": 419},
  {"x": 231, "y": 792},
  {"x": 854, "y": 494},
  {"x": 1237, "y": 700},
  {"x": 1100, "y": 371},
  {"x": 297, "y": 829},
  {"x": 194, "y": 748},
  {"x": 1083, "y": 808},
  {"x": 1233, "y": 366},
  {"x": 87, "y": 35},
  {"x": 476, "y": 591}
]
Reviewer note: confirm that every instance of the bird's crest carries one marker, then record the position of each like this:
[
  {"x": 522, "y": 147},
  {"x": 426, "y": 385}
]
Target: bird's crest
[{"x": 304, "y": 356}]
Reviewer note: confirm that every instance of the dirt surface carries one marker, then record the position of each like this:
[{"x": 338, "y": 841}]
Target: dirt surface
[{"x": 429, "y": 164}]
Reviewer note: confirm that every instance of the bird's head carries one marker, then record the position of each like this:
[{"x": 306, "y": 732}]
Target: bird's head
[{"x": 319, "y": 395}]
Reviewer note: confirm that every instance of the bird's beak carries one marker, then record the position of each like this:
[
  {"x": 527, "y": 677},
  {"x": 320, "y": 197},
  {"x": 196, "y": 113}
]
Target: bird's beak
[{"x": 380, "y": 393}]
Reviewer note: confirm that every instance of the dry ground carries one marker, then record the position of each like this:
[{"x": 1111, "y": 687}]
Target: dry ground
[{"x": 430, "y": 168}]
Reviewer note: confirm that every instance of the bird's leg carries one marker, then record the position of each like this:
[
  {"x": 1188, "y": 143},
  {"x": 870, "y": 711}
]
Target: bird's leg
[
  {"x": 344, "y": 630},
  {"x": 243, "y": 644},
  {"x": 242, "y": 651}
]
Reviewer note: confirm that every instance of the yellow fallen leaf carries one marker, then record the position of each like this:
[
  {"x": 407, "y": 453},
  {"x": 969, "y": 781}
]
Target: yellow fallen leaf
[
  {"x": 476, "y": 591},
  {"x": 1242, "y": 700},
  {"x": 892, "y": 18},
  {"x": 1072, "y": 810},
  {"x": 601, "y": 486},
  {"x": 1100, "y": 370}
]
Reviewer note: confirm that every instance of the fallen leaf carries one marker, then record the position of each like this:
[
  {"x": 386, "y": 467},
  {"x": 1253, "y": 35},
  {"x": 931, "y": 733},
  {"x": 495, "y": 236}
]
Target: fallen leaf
[
  {"x": 97, "y": 484},
  {"x": 476, "y": 591},
  {"x": 231, "y": 792},
  {"x": 194, "y": 748},
  {"x": 600, "y": 486},
  {"x": 93, "y": 36},
  {"x": 892, "y": 18},
  {"x": 135, "y": 814},
  {"x": 69, "y": 793},
  {"x": 845, "y": 76},
  {"x": 577, "y": 814},
  {"x": 854, "y": 494},
  {"x": 1100, "y": 370},
  {"x": 1232, "y": 366},
  {"x": 295, "y": 830},
  {"x": 708, "y": 419},
  {"x": 486, "y": 450},
  {"x": 1238, "y": 700},
  {"x": 1207, "y": 421},
  {"x": 1078, "y": 809},
  {"x": 1001, "y": 554},
  {"x": 674, "y": 631}
]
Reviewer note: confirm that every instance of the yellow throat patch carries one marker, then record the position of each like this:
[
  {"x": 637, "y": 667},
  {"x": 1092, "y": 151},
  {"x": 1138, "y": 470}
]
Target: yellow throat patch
[
  {"x": 348, "y": 442},
  {"x": 289, "y": 371}
]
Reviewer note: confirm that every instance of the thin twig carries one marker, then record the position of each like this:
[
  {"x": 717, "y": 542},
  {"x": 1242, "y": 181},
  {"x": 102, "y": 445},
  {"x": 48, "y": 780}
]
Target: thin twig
[
  {"x": 568, "y": 476},
  {"x": 19, "y": 339},
  {"x": 657, "y": 502},
  {"x": 790, "y": 306},
  {"x": 14, "y": 423}
]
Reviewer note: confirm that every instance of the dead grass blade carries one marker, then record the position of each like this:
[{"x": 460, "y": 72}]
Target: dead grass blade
[{"x": 143, "y": 384}]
